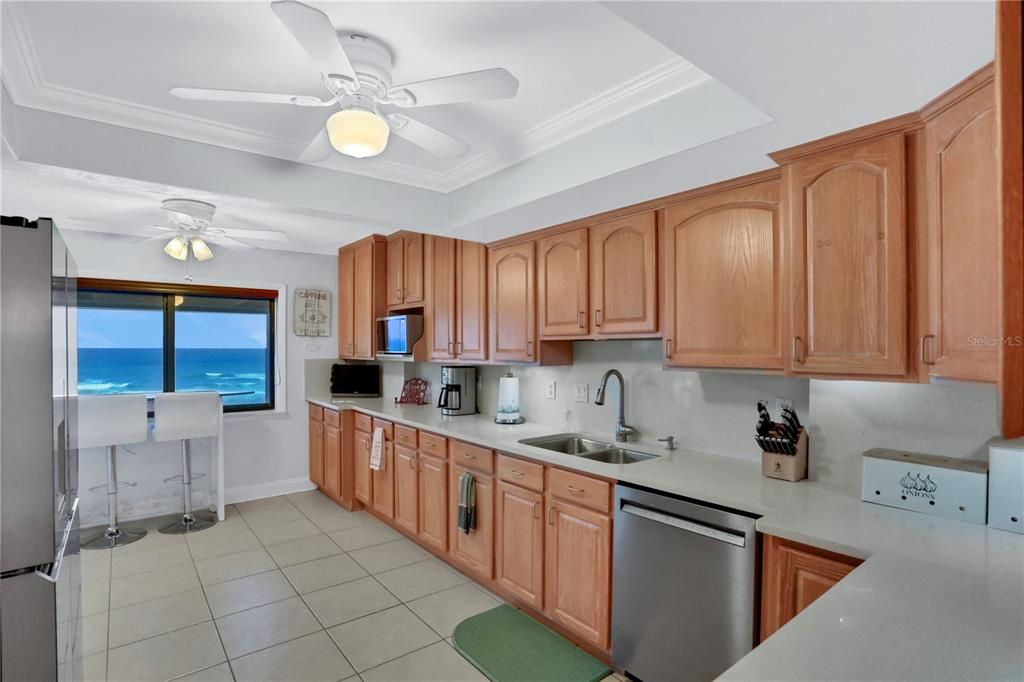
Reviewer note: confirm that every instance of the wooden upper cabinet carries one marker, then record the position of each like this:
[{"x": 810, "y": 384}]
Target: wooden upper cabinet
[
  {"x": 405, "y": 285},
  {"x": 413, "y": 285},
  {"x": 441, "y": 297},
  {"x": 563, "y": 284},
  {"x": 512, "y": 303},
  {"x": 364, "y": 317},
  {"x": 624, "y": 276},
  {"x": 960, "y": 339},
  {"x": 793, "y": 576},
  {"x": 396, "y": 269},
  {"x": 346, "y": 302},
  {"x": 471, "y": 300},
  {"x": 849, "y": 260},
  {"x": 723, "y": 279}
]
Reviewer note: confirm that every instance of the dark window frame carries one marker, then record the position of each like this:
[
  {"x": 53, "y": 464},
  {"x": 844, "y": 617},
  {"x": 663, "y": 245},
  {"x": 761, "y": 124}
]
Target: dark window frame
[{"x": 168, "y": 292}]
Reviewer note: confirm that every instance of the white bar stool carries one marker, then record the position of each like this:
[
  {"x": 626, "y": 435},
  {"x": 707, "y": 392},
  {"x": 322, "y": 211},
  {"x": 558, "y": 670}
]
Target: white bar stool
[
  {"x": 182, "y": 416},
  {"x": 108, "y": 421}
]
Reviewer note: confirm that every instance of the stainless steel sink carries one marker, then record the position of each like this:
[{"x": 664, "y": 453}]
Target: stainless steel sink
[
  {"x": 568, "y": 443},
  {"x": 587, "y": 448},
  {"x": 618, "y": 456}
]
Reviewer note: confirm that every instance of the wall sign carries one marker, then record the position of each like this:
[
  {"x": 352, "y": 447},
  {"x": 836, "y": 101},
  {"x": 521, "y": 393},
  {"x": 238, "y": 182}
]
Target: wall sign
[{"x": 312, "y": 312}]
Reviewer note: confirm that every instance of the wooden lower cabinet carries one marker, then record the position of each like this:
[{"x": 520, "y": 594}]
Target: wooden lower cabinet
[
  {"x": 384, "y": 483},
  {"x": 519, "y": 543},
  {"x": 794, "y": 575},
  {"x": 332, "y": 460},
  {"x": 473, "y": 551},
  {"x": 363, "y": 481},
  {"x": 578, "y": 568},
  {"x": 433, "y": 502},
  {"x": 406, "y": 489},
  {"x": 316, "y": 452}
]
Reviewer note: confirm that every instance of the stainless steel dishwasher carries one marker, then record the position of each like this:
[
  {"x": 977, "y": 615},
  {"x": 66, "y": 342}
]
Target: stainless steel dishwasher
[{"x": 685, "y": 586}]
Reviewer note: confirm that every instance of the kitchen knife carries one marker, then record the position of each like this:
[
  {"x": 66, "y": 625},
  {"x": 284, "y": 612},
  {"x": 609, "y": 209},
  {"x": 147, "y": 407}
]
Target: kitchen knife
[
  {"x": 792, "y": 416},
  {"x": 764, "y": 425}
]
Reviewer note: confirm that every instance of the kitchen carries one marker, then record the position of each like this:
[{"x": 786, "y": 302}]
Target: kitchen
[{"x": 820, "y": 265}]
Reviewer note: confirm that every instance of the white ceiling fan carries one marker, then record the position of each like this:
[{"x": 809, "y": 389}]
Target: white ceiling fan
[
  {"x": 356, "y": 71},
  {"x": 191, "y": 229}
]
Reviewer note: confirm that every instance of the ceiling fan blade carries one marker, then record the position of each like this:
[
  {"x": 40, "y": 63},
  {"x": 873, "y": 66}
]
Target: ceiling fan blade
[
  {"x": 315, "y": 32},
  {"x": 154, "y": 238},
  {"x": 229, "y": 243},
  {"x": 214, "y": 95},
  {"x": 472, "y": 86},
  {"x": 161, "y": 228},
  {"x": 264, "y": 235},
  {"x": 319, "y": 148},
  {"x": 427, "y": 137}
]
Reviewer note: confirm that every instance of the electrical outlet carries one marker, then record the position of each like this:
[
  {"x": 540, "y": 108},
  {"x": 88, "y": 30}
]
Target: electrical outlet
[
  {"x": 781, "y": 403},
  {"x": 551, "y": 390},
  {"x": 581, "y": 393}
]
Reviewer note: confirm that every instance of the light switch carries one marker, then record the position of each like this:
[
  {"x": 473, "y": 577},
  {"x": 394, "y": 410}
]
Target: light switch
[
  {"x": 581, "y": 393},
  {"x": 551, "y": 390}
]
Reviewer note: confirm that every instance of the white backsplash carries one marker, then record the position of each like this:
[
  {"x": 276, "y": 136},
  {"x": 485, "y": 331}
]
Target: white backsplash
[{"x": 714, "y": 411}]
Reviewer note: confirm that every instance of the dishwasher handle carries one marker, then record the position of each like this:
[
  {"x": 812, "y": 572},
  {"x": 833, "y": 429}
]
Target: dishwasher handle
[{"x": 685, "y": 524}]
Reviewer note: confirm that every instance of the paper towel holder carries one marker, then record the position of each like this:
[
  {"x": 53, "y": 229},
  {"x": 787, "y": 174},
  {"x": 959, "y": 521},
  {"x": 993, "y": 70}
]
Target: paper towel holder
[{"x": 508, "y": 414}]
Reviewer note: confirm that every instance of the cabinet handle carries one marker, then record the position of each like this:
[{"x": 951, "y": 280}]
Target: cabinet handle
[
  {"x": 796, "y": 354},
  {"x": 412, "y": 462},
  {"x": 529, "y": 349},
  {"x": 536, "y": 510},
  {"x": 451, "y": 348},
  {"x": 581, "y": 319},
  {"x": 517, "y": 474},
  {"x": 468, "y": 455},
  {"x": 458, "y": 347},
  {"x": 398, "y": 294},
  {"x": 574, "y": 490},
  {"x": 598, "y": 317},
  {"x": 668, "y": 349},
  {"x": 551, "y": 520},
  {"x": 924, "y": 355},
  {"x": 405, "y": 292}
]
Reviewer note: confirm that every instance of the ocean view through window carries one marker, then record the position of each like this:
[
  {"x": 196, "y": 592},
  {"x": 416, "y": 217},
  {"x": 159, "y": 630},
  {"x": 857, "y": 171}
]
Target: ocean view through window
[{"x": 148, "y": 338}]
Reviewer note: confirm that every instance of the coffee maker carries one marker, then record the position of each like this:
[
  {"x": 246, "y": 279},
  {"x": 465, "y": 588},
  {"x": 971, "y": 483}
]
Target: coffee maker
[{"x": 458, "y": 391}]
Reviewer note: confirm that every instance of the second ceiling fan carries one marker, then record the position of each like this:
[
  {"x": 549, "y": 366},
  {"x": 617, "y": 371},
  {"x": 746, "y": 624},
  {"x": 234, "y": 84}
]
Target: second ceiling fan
[{"x": 356, "y": 71}]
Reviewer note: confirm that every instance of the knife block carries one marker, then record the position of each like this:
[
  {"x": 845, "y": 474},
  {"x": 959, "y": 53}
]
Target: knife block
[{"x": 787, "y": 467}]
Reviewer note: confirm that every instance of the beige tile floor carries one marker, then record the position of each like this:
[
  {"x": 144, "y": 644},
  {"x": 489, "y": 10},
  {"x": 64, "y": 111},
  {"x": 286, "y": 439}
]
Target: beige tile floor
[{"x": 286, "y": 588}]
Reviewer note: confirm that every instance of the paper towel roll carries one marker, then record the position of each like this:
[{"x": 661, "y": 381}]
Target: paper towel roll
[{"x": 508, "y": 399}]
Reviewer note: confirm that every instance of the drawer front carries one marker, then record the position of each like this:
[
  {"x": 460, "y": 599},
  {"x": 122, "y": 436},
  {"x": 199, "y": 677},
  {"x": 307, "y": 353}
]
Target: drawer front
[
  {"x": 316, "y": 413},
  {"x": 581, "y": 490},
  {"x": 406, "y": 436},
  {"x": 472, "y": 457},
  {"x": 363, "y": 422},
  {"x": 433, "y": 444},
  {"x": 522, "y": 473},
  {"x": 332, "y": 418},
  {"x": 389, "y": 428}
]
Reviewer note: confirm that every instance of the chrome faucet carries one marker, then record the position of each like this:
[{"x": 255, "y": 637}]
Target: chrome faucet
[{"x": 622, "y": 430}]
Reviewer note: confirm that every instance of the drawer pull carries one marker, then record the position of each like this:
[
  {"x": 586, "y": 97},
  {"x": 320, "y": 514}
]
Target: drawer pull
[
  {"x": 517, "y": 474},
  {"x": 469, "y": 455},
  {"x": 574, "y": 490}
]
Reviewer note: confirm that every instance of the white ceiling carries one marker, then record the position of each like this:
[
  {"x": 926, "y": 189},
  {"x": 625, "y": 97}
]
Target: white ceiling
[
  {"x": 619, "y": 102},
  {"x": 578, "y": 63}
]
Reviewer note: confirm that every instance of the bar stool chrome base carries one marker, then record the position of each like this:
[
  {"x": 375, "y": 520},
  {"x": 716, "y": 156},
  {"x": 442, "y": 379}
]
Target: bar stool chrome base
[
  {"x": 190, "y": 523},
  {"x": 115, "y": 537}
]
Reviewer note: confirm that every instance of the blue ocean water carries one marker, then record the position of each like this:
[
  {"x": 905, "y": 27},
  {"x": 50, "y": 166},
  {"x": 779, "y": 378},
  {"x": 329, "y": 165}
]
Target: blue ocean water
[{"x": 239, "y": 374}]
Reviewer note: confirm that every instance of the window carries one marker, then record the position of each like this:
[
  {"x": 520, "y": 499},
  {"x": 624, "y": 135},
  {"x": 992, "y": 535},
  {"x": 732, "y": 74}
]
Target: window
[{"x": 138, "y": 337}]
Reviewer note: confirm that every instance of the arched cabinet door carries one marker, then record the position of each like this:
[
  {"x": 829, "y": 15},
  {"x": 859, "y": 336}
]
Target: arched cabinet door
[
  {"x": 960, "y": 339},
  {"x": 512, "y": 302},
  {"x": 562, "y": 284},
  {"x": 723, "y": 279},
  {"x": 624, "y": 276},
  {"x": 849, "y": 259}
]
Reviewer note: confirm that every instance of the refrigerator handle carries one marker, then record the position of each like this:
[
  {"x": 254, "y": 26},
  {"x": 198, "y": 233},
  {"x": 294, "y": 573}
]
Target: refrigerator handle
[{"x": 53, "y": 570}]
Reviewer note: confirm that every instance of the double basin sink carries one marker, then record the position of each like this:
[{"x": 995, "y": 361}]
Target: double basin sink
[{"x": 587, "y": 448}]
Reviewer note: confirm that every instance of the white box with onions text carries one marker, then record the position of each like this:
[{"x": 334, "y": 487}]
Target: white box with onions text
[{"x": 940, "y": 486}]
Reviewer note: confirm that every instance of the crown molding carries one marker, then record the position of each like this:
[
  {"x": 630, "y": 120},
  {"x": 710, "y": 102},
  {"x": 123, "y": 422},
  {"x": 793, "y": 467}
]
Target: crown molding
[{"x": 29, "y": 88}]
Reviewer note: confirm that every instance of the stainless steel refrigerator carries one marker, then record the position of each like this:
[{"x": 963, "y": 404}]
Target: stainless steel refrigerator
[{"x": 40, "y": 595}]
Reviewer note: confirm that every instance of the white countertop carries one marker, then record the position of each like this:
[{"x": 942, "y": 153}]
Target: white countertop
[{"x": 935, "y": 599}]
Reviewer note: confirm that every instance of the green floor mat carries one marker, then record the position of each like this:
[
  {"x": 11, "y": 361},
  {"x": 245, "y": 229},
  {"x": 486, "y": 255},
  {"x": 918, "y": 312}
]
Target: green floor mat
[{"x": 506, "y": 645}]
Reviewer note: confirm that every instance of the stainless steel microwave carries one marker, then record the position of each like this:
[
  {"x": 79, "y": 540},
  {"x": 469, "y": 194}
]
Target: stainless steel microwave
[{"x": 396, "y": 334}]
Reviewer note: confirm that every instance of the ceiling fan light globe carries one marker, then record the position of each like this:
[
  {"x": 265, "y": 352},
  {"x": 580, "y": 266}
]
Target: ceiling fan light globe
[
  {"x": 177, "y": 248},
  {"x": 358, "y": 133},
  {"x": 201, "y": 250}
]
